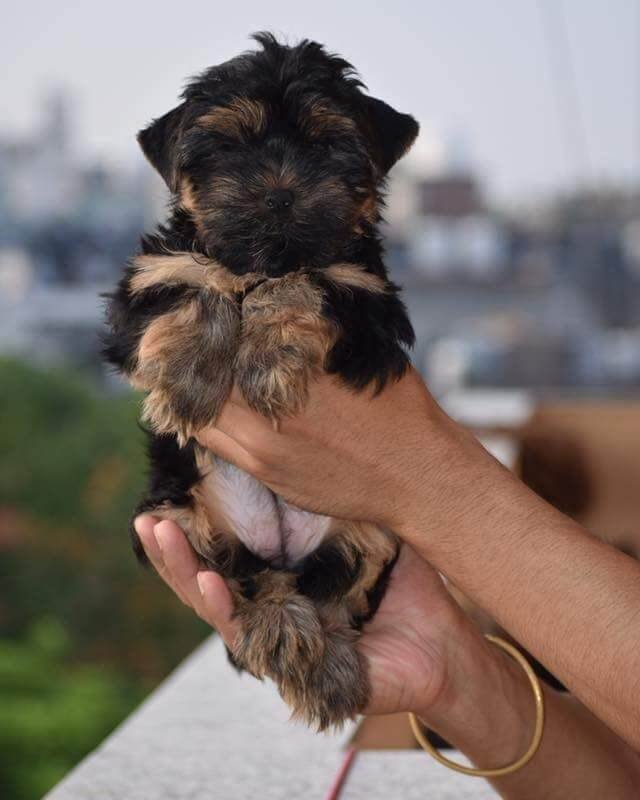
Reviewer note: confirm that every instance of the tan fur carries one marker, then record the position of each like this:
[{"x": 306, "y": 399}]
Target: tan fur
[
  {"x": 323, "y": 119},
  {"x": 354, "y": 275},
  {"x": 206, "y": 206},
  {"x": 282, "y": 177},
  {"x": 325, "y": 190},
  {"x": 284, "y": 337},
  {"x": 337, "y": 688},
  {"x": 241, "y": 116},
  {"x": 187, "y": 196},
  {"x": 189, "y": 201},
  {"x": 223, "y": 191},
  {"x": 281, "y": 634},
  {"x": 368, "y": 211},
  {"x": 284, "y": 342},
  {"x": 375, "y": 544},
  {"x": 309, "y": 651},
  {"x": 168, "y": 270},
  {"x": 162, "y": 334},
  {"x": 184, "y": 268},
  {"x": 273, "y": 340},
  {"x": 158, "y": 411},
  {"x": 195, "y": 522},
  {"x": 179, "y": 268},
  {"x": 185, "y": 360}
]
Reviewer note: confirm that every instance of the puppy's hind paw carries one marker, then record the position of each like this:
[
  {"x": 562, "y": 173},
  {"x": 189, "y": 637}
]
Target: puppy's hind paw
[
  {"x": 280, "y": 638},
  {"x": 336, "y": 690}
]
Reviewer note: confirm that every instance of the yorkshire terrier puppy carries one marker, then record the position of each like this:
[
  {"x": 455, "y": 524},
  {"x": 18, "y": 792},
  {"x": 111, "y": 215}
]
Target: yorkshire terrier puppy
[{"x": 268, "y": 272}]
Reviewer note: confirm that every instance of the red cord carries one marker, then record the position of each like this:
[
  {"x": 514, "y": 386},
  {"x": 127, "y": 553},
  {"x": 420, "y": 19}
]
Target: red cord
[{"x": 341, "y": 777}]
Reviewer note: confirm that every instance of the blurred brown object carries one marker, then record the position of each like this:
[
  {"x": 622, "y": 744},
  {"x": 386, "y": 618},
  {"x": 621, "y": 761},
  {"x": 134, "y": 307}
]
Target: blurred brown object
[
  {"x": 584, "y": 458},
  {"x": 554, "y": 464},
  {"x": 388, "y": 732}
]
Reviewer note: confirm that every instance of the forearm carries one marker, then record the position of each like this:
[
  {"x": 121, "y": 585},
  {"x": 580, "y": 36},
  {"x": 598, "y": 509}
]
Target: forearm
[
  {"x": 570, "y": 600},
  {"x": 488, "y": 714},
  {"x": 396, "y": 459}
]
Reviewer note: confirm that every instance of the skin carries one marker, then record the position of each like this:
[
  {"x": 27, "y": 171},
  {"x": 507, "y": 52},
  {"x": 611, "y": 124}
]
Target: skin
[{"x": 396, "y": 459}]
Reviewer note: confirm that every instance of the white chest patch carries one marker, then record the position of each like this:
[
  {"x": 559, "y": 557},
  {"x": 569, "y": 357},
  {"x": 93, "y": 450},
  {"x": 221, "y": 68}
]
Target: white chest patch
[{"x": 265, "y": 523}]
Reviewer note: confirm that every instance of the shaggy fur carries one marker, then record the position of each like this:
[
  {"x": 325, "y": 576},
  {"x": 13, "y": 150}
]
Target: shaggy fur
[{"x": 268, "y": 271}]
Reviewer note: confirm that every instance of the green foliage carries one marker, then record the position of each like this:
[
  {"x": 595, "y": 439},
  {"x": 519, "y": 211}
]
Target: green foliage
[
  {"x": 61, "y": 440},
  {"x": 52, "y": 714},
  {"x": 85, "y": 632}
]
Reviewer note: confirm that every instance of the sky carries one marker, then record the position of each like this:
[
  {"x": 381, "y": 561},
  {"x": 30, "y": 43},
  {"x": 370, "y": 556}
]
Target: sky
[{"x": 478, "y": 74}]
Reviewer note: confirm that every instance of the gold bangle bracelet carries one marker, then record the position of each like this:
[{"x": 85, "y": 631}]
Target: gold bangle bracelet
[{"x": 497, "y": 772}]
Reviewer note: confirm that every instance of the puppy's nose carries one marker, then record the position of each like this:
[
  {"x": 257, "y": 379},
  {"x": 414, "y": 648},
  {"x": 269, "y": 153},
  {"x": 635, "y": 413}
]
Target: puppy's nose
[{"x": 278, "y": 200}]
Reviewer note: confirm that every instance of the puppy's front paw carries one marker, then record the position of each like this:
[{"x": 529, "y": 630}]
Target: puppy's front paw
[
  {"x": 185, "y": 361},
  {"x": 284, "y": 341},
  {"x": 274, "y": 383}
]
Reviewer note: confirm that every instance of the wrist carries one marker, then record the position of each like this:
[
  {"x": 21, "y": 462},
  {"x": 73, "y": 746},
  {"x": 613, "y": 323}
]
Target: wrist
[
  {"x": 486, "y": 708},
  {"x": 454, "y": 488}
]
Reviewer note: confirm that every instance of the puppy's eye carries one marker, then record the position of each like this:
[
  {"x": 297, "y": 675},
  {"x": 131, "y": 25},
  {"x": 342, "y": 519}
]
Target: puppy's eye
[
  {"x": 323, "y": 146},
  {"x": 225, "y": 145}
]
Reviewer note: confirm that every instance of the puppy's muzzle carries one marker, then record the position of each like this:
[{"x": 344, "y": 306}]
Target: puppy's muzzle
[{"x": 279, "y": 201}]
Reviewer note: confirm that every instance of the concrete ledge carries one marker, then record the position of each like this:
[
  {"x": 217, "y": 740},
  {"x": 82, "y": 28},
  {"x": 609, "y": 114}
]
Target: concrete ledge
[{"x": 210, "y": 734}]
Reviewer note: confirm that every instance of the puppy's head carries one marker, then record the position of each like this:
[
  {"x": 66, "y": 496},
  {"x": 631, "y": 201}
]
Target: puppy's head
[{"x": 278, "y": 156}]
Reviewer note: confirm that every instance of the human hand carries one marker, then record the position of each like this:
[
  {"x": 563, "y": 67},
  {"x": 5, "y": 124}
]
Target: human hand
[
  {"x": 351, "y": 455},
  {"x": 422, "y": 652}
]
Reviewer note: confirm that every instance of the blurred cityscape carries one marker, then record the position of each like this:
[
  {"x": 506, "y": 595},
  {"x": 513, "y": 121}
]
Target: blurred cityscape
[
  {"x": 66, "y": 230},
  {"x": 544, "y": 297},
  {"x": 537, "y": 300}
]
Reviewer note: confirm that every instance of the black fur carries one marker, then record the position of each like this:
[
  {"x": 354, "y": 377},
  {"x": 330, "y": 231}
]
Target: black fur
[
  {"x": 128, "y": 317},
  {"x": 376, "y": 595},
  {"x": 287, "y": 81},
  {"x": 327, "y": 574},
  {"x": 376, "y": 333},
  {"x": 243, "y": 235},
  {"x": 281, "y": 119},
  {"x": 375, "y": 329},
  {"x": 172, "y": 473}
]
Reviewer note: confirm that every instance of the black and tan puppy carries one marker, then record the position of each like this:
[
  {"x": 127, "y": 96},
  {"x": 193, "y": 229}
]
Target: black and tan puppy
[{"x": 269, "y": 270}]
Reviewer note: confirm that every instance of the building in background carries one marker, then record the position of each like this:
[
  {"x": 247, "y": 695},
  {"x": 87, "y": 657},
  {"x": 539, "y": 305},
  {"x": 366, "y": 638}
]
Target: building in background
[
  {"x": 66, "y": 230},
  {"x": 546, "y": 297}
]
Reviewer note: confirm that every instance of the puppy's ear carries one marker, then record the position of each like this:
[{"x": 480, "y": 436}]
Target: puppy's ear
[
  {"x": 393, "y": 133},
  {"x": 160, "y": 143}
]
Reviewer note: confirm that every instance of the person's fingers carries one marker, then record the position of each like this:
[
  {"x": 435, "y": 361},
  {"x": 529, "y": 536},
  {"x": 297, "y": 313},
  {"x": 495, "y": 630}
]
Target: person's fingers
[
  {"x": 205, "y": 591},
  {"x": 224, "y": 446},
  {"x": 408, "y": 662},
  {"x": 217, "y": 605},
  {"x": 180, "y": 560},
  {"x": 243, "y": 425},
  {"x": 237, "y": 398},
  {"x": 178, "y": 566},
  {"x": 144, "y": 526}
]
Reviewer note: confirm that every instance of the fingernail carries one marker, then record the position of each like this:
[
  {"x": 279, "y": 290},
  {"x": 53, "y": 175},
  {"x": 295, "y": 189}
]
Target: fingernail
[
  {"x": 200, "y": 580},
  {"x": 138, "y": 520},
  {"x": 158, "y": 539}
]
